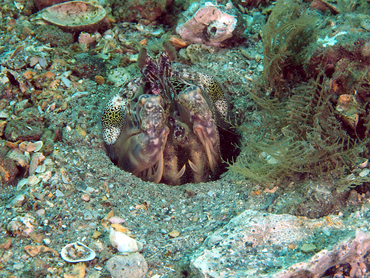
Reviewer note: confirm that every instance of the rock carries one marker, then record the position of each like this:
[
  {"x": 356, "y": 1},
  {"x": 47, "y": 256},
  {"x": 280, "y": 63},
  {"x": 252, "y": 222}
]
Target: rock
[
  {"x": 144, "y": 10},
  {"x": 17, "y": 201},
  {"x": 133, "y": 266},
  {"x": 22, "y": 225},
  {"x": 256, "y": 244},
  {"x": 209, "y": 25},
  {"x": 39, "y": 267},
  {"x": 8, "y": 170},
  {"x": 20, "y": 130},
  {"x": 89, "y": 66},
  {"x": 85, "y": 197},
  {"x": 53, "y": 35}
]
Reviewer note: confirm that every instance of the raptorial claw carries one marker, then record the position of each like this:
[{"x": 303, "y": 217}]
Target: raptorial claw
[
  {"x": 193, "y": 166},
  {"x": 196, "y": 110},
  {"x": 181, "y": 172},
  {"x": 139, "y": 148}
]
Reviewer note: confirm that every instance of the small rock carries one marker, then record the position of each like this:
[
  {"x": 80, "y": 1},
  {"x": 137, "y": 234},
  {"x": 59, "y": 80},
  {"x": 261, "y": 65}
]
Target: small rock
[
  {"x": 8, "y": 169},
  {"x": 85, "y": 197},
  {"x": 209, "y": 25},
  {"x": 40, "y": 212},
  {"x": 20, "y": 130},
  {"x": 39, "y": 267},
  {"x": 364, "y": 172},
  {"x": 46, "y": 241},
  {"x": 133, "y": 266},
  {"x": 174, "y": 233},
  {"x": 18, "y": 266},
  {"x": 308, "y": 247},
  {"x": 59, "y": 193},
  {"x": 81, "y": 186},
  {"x": 22, "y": 225},
  {"x": 6, "y": 245},
  {"x": 88, "y": 215},
  {"x": 17, "y": 202},
  {"x": 89, "y": 189}
]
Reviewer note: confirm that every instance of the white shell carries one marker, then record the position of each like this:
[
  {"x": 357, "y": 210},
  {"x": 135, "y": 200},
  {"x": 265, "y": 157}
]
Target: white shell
[
  {"x": 38, "y": 145},
  {"x": 40, "y": 169},
  {"x": 77, "y": 252},
  {"x": 124, "y": 243},
  {"x": 364, "y": 164},
  {"x": 22, "y": 183}
]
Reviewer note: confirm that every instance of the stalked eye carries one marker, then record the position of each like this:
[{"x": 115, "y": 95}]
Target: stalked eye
[
  {"x": 170, "y": 51},
  {"x": 148, "y": 105},
  {"x": 142, "y": 58}
]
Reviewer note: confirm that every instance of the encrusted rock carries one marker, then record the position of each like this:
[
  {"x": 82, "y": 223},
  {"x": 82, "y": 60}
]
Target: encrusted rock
[
  {"x": 22, "y": 225},
  {"x": 133, "y": 266},
  {"x": 210, "y": 25},
  {"x": 256, "y": 244}
]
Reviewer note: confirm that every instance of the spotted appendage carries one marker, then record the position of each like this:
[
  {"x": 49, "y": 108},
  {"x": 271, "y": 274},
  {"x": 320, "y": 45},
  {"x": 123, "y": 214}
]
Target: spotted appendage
[{"x": 113, "y": 119}]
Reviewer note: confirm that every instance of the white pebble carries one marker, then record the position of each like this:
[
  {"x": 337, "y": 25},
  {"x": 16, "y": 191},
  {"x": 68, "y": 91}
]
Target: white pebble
[
  {"x": 364, "y": 172},
  {"x": 59, "y": 193},
  {"x": 66, "y": 82}
]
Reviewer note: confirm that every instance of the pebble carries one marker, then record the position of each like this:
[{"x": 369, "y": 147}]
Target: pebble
[
  {"x": 18, "y": 266},
  {"x": 308, "y": 247},
  {"x": 88, "y": 215},
  {"x": 133, "y": 266},
  {"x": 40, "y": 169},
  {"x": 85, "y": 197},
  {"x": 364, "y": 172},
  {"x": 59, "y": 193},
  {"x": 18, "y": 201},
  {"x": 326, "y": 231},
  {"x": 40, "y": 212},
  {"x": 66, "y": 82},
  {"x": 89, "y": 189},
  {"x": 46, "y": 241},
  {"x": 4, "y": 115},
  {"x": 81, "y": 186}
]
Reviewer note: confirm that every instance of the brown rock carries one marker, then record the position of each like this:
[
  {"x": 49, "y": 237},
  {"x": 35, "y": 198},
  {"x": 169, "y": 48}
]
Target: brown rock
[
  {"x": 323, "y": 6},
  {"x": 34, "y": 250},
  {"x": 8, "y": 170},
  {"x": 6, "y": 244},
  {"x": 146, "y": 11},
  {"x": 17, "y": 130},
  {"x": 40, "y": 4}
]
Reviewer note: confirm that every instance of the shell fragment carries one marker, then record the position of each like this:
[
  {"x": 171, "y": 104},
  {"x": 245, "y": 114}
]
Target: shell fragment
[{"x": 77, "y": 252}]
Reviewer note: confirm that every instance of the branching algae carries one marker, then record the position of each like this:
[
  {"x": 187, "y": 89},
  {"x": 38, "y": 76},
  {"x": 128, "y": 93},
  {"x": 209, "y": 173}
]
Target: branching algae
[{"x": 309, "y": 127}]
